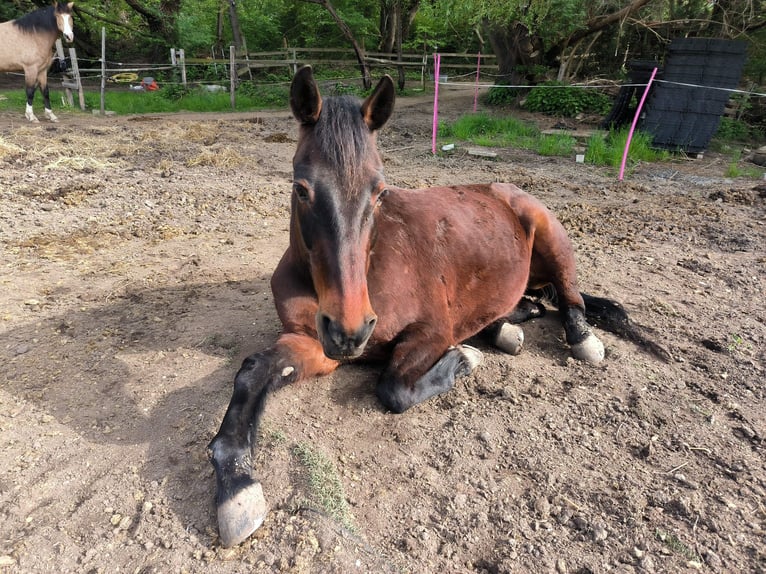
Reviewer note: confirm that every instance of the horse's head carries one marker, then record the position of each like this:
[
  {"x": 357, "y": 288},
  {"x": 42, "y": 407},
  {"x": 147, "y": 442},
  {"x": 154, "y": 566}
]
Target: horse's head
[
  {"x": 337, "y": 186},
  {"x": 63, "y": 12}
]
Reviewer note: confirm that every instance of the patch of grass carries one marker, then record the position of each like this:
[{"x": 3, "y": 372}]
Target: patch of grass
[
  {"x": 608, "y": 149},
  {"x": 326, "y": 489},
  {"x": 172, "y": 98},
  {"x": 497, "y": 131},
  {"x": 556, "y": 145},
  {"x": 674, "y": 543}
]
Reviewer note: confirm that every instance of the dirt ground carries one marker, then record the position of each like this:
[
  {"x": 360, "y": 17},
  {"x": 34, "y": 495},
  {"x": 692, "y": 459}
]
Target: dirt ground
[{"x": 136, "y": 253}]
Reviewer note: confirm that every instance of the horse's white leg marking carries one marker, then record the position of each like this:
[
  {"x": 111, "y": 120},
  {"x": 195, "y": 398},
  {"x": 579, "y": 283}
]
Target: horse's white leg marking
[
  {"x": 50, "y": 115},
  {"x": 510, "y": 338},
  {"x": 30, "y": 115},
  {"x": 590, "y": 350}
]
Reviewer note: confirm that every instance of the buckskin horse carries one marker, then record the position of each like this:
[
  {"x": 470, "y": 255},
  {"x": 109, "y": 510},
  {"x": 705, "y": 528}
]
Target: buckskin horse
[
  {"x": 26, "y": 44},
  {"x": 375, "y": 272}
]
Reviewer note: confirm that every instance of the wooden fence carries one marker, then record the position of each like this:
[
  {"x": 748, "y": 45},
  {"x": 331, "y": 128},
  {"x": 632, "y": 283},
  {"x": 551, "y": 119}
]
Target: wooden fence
[{"x": 293, "y": 58}]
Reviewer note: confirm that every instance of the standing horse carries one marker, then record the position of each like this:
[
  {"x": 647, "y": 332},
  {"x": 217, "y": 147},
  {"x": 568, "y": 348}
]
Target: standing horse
[
  {"x": 27, "y": 44},
  {"x": 381, "y": 273}
]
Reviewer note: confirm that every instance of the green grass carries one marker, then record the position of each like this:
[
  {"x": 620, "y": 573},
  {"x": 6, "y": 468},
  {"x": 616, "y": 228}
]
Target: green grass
[
  {"x": 326, "y": 492},
  {"x": 496, "y": 131},
  {"x": 164, "y": 100},
  {"x": 602, "y": 148}
]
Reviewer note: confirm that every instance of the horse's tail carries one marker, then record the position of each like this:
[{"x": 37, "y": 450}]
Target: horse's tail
[{"x": 610, "y": 316}]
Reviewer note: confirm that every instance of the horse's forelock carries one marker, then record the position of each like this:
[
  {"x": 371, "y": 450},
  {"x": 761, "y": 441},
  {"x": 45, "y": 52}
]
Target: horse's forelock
[{"x": 343, "y": 138}]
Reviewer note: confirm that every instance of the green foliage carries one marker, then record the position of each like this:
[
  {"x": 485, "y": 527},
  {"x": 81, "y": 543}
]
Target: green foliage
[
  {"x": 732, "y": 130},
  {"x": 558, "y": 99},
  {"x": 500, "y": 96},
  {"x": 174, "y": 92},
  {"x": 264, "y": 95}
]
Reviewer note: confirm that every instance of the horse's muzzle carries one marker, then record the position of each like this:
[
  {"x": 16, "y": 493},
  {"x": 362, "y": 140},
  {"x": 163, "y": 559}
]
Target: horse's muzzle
[{"x": 340, "y": 344}]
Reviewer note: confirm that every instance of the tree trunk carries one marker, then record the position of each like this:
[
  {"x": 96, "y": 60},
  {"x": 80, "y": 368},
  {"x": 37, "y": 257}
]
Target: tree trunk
[
  {"x": 236, "y": 29},
  {"x": 517, "y": 51},
  {"x": 365, "y": 69}
]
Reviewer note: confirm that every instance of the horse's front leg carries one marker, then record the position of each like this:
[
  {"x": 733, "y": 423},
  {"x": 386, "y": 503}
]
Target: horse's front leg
[
  {"x": 239, "y": 498},
  {"x": 423, "y": 365},
  {"x": 30, "y": 81}
]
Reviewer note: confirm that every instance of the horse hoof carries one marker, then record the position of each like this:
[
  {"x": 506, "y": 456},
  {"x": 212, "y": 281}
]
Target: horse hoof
[
  {"x": 590, "y": 350},
  {"x": 472, "y": 356},
  {"x": 241, "y": 515},
  {"x": 510, "y": 339}
]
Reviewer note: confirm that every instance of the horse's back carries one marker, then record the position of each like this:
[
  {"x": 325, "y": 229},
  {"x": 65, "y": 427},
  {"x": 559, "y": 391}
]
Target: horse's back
[
  {"x": 19, "y": 49},
  {"x": 459, "y": 255}
]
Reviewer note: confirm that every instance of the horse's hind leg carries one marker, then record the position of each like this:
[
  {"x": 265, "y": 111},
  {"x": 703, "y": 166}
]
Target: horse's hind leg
[
  {"x": 412, "y": 376},
  {"x": 553, "y": 263},
  {"x": 506, "y": 334},
  {"x": 584, "y": 344}
]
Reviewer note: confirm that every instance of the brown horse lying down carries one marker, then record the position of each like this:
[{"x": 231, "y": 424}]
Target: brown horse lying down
[{"x": 382, "y": 273}]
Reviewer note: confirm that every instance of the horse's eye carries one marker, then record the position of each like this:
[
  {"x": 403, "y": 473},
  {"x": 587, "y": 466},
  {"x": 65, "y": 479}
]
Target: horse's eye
[
  {"x": 301, "y": 192},
  {"x": 381, "y": 195}
]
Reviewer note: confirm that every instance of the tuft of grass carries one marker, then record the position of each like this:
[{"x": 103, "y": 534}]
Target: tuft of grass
[
  {"x": 326, "y": 489},
  {"x": 676, "y": 545}
]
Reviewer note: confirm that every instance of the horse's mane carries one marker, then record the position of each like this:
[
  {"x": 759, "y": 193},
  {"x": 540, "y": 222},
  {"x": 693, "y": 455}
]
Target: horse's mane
[
  {"x": 42, "y": 20},
  {"x": 343, "y": 137}
]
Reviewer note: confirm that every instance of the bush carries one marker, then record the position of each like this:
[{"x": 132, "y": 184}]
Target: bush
[{"x": 558, "y": 99}]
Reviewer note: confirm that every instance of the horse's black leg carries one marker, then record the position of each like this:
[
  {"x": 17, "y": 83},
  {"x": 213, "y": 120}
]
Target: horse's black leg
[
  {"x": 29, "y": 113},
  {"x": 584, "y": 344},
  {"x": 239, "y": 498},
  {"x": 47, "y": 103},
  {"x": 408, "y": 379}
]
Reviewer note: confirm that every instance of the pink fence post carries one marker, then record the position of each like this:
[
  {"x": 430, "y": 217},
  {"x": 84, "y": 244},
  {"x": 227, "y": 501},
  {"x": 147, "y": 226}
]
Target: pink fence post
[
  {"x": 437, "y": 60},
  {"x": 633, "y": 126},
  {"x": 476, "y": 88}
]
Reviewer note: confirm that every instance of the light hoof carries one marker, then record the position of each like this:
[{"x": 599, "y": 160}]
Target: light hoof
[
  {"x": 30, "y": 115},
  {"x": 472, "y": 356},
  {"x": 510, "y": 339},
  {"x": 591, "y": 350},
  {"x": 51, "y": 116},
  {"x": 241, "y": 515}
]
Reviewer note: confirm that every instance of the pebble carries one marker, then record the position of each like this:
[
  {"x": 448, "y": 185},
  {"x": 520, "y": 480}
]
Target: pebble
[
  {"x": 599, "y": 533},
  {"x": 542, "y": 507}
]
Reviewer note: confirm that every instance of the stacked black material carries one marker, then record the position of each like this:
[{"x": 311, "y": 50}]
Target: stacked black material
[
  {"x": 624, "y": 107},
  {"x": 685, "y": 117}
]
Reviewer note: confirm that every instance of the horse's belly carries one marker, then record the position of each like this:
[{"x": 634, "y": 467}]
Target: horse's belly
[{"x": 454, "y": 258}]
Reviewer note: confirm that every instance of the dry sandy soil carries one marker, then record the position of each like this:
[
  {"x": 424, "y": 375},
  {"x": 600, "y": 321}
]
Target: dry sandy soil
[{"x": 135, "y": 257}]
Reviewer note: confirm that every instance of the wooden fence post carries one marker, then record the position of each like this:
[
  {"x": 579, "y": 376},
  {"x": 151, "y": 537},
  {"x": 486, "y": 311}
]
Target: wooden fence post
[
  {"x": 74, "y": 82},
  {"x": 182, "y": 59}
]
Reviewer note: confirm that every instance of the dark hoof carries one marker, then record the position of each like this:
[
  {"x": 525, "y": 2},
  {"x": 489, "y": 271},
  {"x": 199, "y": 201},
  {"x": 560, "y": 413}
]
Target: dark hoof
[{"x": 241, "y": 515}]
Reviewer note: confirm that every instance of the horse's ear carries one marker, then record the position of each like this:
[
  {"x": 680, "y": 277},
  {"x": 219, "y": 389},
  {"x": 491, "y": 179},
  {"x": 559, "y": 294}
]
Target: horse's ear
[
  {"x": 379, "y": 105},
  {"x": 305, "y": 101}
]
